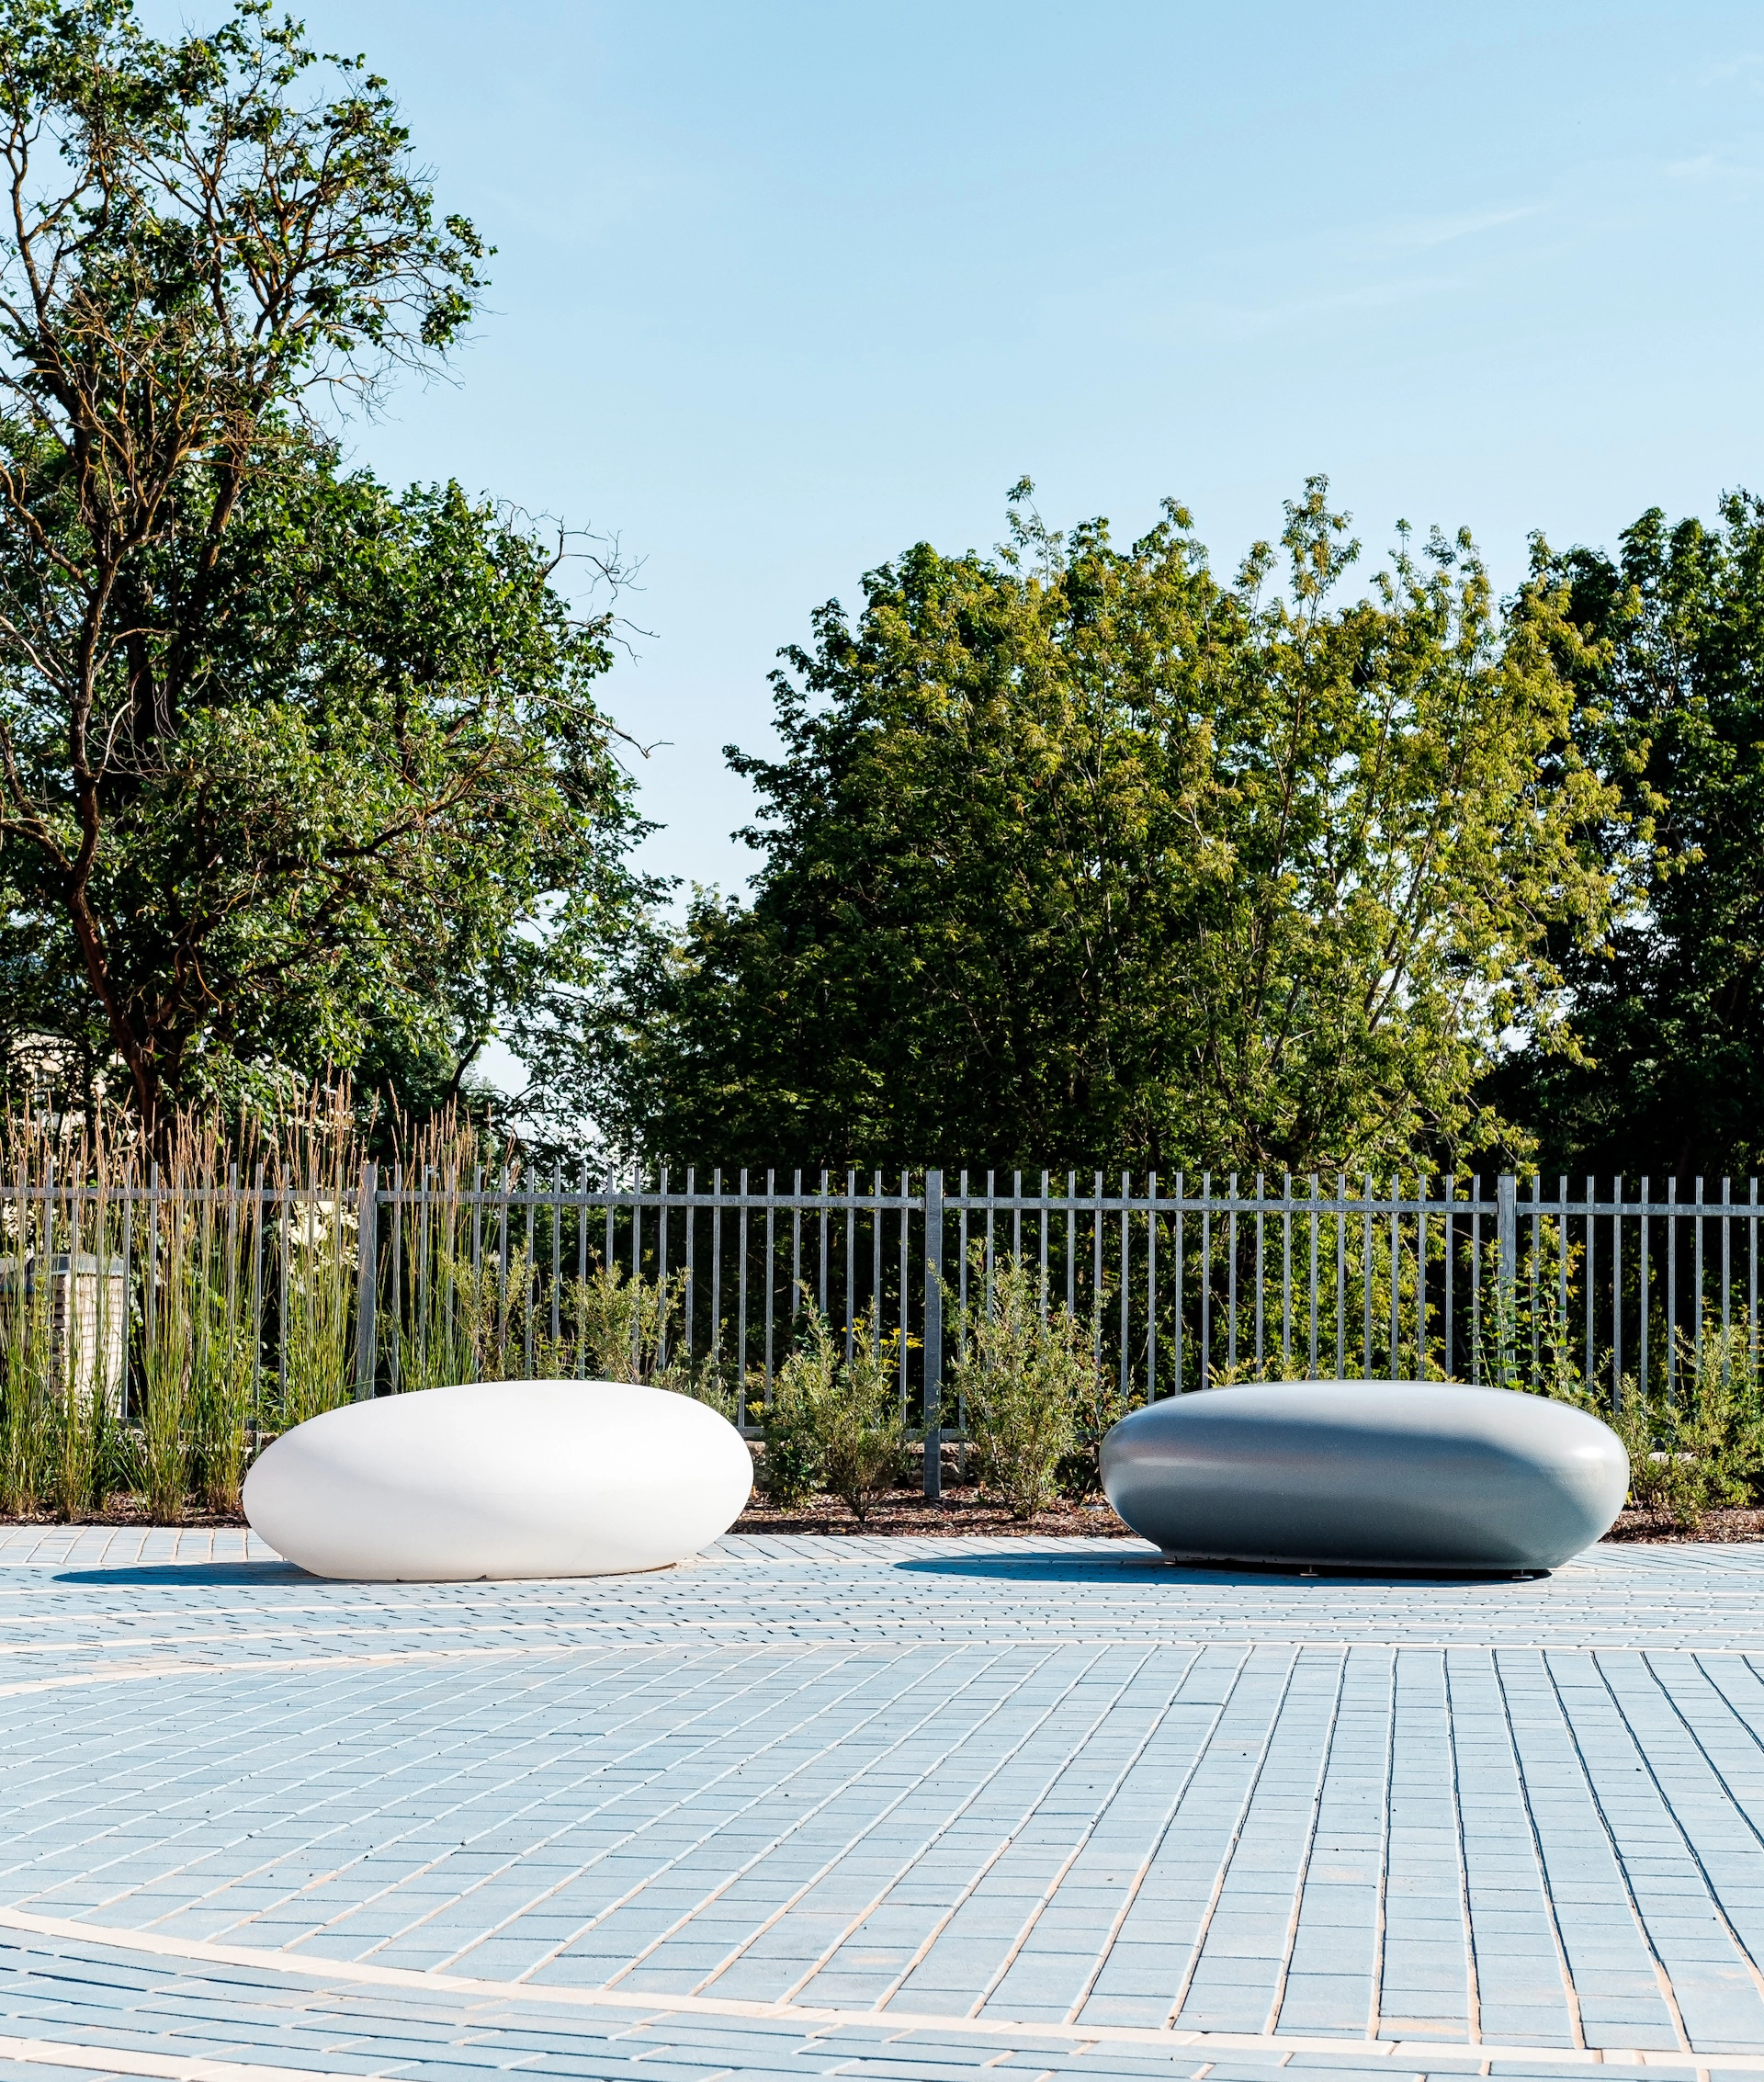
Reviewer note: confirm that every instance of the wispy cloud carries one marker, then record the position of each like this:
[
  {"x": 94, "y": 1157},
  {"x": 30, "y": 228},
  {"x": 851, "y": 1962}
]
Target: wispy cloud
[
  {"x": 1747, "y": 66},
  {"x": 1420, "y": 234},
  {"x": 1220, "y": 319},
  {"x": 1726, "y": 177}
]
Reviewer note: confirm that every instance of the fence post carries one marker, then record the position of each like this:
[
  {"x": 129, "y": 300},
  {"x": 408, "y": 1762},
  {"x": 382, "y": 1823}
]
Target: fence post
[
  {"x": 933, "y": 1333},
  {"x": 367, "y": 1280},
  {"x": 1507, "y": 1222}
]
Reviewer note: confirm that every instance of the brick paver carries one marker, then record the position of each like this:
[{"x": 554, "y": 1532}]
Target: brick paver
[{"x": 878, "y": 1808}]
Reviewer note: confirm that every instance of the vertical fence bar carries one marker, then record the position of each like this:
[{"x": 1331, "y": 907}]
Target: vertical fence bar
[
  {"x": 1559, "y": 1355},
  {"x": 961, "y": 1250},
  {"x": 1151, "y": 1287},
  {"x": 1507, "y": 1223},
  {"x": 715, "y": 1325},
  {"x": 1672, "y": 1289},
  {"x": 688, "y": 1290},
  {"x": 1726, "y": 1269},
  {"x": 740, "y": 1301},
  {"x": 1046, "y": 1224},
  {"x": 1616, "y": 1292},
  {"x": 1395, "y": 1277},
  {"x": 1642, "y": 1341},
  {"x": 771, "y": 1269},
  {"x": 1535, "y": 1281},
  {"x": 1126, "y": 1286},
  {"x": 1475, "y": 1277},
  {"x": 1286, "y": 1275},
  {"x": 906, "y": 1218},
  {"x": 1590, "y": 1226},
  {"x": 1206, "y": 1280},
  {"x": 253, "y": 1418},
  {"x": 397, "y": 1208},
  {"x": 1367, "y": 1277},
  {"x": 1697, "y": 1301},
  {"x": 795, "y": 1246},
  {"x": 851, "y": 1274},
  {"x": 1450, "y": 1224},
  {"x": 933, "y": 1305},
  {"x": 1176, "y": 1314},
  {"x": 1314, "y": 1324},
  {"x": 1231, "y": 1279},
  {"x": 1261, "y": 1261},
  {"x": 367, "y": 1280}
]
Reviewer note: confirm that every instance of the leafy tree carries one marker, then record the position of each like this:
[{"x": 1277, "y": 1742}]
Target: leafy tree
[
  {"x": 1668, "y": 668},
  {"x": 291, "y": 771},
  {"x": 387, "y": 826},
  {"x": 1077, "y": 855}
]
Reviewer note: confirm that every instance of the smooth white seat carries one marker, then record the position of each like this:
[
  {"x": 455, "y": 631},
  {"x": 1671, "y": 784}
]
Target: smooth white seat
[{"x": 501, "y": 1479}]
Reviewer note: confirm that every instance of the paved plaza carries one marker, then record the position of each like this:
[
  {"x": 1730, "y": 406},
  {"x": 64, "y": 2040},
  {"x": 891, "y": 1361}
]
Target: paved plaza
[{"x": 878, "y": 1809}]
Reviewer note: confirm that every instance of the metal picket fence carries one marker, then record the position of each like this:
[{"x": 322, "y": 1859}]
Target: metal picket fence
[{"x": 1182, "y": 1284}]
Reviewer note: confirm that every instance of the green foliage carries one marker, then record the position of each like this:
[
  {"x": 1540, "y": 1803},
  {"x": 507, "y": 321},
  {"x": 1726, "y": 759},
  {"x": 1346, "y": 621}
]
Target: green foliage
[
  {"x": 792, "y": 1464},
  {"x": 316, "y": 1246},
  {"x": 862, "y": 1433},
  {"x": 1690, "y": 1453},
  {"x": 297, "y": 773},
  {"x": 386, "y": 826},
  {"x": 1081, "y": 854},
  {"x": 1025, "y": 1378},
  {"x": 1670, "y": 679},
  {"x": 834, "y": 1423},
  {"x": 623, "y": 1329},
  {"x": 1704, "y": 1451}
]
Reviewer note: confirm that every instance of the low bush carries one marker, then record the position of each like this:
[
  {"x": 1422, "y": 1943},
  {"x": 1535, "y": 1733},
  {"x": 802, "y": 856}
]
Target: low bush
[
  {"x": 834, "y": 1423},
  {"x": 1698, "y": 1451},
  {"x": 621, "y": 1328},
  {"x": 862, "y": 1433},
  {"x": 794, "y": 1458},
  {"x": 1027, "y": 1381}
]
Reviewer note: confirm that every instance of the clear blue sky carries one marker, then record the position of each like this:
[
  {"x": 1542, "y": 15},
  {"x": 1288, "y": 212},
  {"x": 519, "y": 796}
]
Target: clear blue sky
[{"x": 784, "y": 288}]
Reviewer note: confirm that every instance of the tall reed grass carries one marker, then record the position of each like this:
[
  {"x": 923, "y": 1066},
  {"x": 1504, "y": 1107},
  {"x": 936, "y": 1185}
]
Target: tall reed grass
[{"x": 144, "y": 1286}]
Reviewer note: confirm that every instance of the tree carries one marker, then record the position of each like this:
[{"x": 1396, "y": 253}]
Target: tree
[
  {"x": 202, "y": 246},
  {"x": 388, "y": 825},
  {"x": 1076, "y": 856},
  {"x": 1669, "y": 667}
]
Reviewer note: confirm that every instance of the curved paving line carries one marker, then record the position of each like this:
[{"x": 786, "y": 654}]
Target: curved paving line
[
  {"x": 1417, "y": 2054},
  {"x": 164, "y": 2067}
]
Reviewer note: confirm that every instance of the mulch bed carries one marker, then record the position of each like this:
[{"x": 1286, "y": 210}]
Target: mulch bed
[
  {"x": 1745, "y": 1524},
  {"x": 958, "y": 1511},
  {"x": 963, "y": 1509}
]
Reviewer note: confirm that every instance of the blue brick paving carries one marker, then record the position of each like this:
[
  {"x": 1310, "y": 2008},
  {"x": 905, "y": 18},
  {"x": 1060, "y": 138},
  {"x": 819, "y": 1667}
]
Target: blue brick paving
[{"x": 876, "y": 1809}]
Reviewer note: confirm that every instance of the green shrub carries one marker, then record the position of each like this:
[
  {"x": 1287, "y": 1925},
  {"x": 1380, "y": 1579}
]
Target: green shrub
[
  {"x": 794, "y": 1461},
  {"x": 1705, "y": 1451},
  {"x": 623, "y": 1329},
  {"x": 862, "y": 1433},
  {"x": 1027, "y": 1380},
  {"x": 1698, "y": 1452}
]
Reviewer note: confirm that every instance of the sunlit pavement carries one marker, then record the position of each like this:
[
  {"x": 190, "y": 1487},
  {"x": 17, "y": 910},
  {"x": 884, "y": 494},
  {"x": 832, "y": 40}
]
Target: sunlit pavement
[{"x": 874, "y": 1808}]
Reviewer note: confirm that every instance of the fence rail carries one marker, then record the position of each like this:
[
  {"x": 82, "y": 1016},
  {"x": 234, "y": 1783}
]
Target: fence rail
[{"x": 1182, "y": 1284}]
